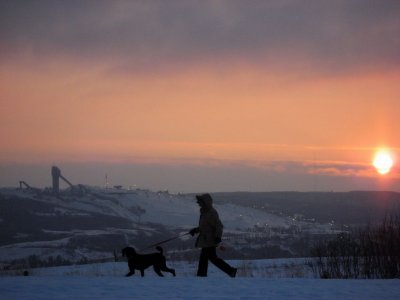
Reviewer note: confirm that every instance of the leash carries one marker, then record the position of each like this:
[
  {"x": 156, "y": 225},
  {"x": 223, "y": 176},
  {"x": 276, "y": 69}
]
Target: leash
[{"x": 165, "y": 241}]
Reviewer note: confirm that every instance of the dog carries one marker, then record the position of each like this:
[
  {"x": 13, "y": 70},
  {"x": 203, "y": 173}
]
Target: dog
[{"x": 143, "y": 261}]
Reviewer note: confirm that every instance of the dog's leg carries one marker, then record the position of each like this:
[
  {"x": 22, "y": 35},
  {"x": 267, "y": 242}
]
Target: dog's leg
[
  {"x": 166, "y": 269},
  {"x": 131, "y": 268},
  {"x": 130, "y": 273},
  {"x": 142, "y": 272},
  {"x": 157, "y": 270}
]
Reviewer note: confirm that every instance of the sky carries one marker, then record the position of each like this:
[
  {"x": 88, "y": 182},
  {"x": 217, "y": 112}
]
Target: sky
[{"x": 194, "y": 96}]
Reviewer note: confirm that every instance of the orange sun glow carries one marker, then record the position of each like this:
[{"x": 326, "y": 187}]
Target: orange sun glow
[{"x": 383, "y": 161}]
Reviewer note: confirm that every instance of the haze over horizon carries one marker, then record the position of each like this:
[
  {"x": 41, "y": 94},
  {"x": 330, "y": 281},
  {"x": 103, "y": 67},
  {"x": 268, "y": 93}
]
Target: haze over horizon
[{"x": 192, "y": 96}]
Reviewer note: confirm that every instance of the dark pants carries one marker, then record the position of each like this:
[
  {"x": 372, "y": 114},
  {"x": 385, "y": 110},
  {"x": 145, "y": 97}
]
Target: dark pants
[{"x": 210, "y": 254}]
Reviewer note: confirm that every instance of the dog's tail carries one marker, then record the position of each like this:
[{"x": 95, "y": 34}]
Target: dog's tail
[{"x": 160, "y": 249}]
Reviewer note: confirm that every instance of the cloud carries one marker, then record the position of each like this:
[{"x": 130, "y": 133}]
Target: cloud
[
  {"x": 148, "y": 34},
  {"x": 282, "y": 167},
  {"x": 346, "y": 169}
]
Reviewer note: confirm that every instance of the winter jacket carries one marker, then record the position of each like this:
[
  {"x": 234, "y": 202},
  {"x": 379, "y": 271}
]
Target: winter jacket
[{"x": 210, "y": 227}]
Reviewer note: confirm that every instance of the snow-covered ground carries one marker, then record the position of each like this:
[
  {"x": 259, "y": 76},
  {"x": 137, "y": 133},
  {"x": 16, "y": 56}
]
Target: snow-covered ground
[
  {"x": 266, "y": 279},
  {"x": 99, "y": 288},
  {"x": 266, "y": 268}
]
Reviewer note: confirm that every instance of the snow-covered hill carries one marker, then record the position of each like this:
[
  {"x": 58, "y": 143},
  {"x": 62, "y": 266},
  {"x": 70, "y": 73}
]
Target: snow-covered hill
[
  {"x": 159, "y": 207},
  {"x": 91, "y": 224}
]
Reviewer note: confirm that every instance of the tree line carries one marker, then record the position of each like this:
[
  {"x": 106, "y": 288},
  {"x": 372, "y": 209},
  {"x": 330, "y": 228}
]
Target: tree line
[{"x": 370, "y": 252}]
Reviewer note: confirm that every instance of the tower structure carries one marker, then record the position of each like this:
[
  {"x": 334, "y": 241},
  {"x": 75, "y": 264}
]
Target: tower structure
[{"x": 56, "y": 174}]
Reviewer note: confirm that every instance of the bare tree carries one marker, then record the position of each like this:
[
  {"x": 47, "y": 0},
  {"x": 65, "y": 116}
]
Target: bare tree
[{"x": 372, "y": 252}]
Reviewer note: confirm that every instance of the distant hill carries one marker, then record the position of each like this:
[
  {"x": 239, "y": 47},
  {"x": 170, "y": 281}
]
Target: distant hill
[{"x": 357, "y": 207}]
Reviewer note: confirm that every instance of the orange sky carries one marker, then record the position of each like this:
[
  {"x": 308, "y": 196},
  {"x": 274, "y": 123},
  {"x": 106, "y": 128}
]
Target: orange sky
[
  {"x": 230, "y": 112},
  {"x": 277, "y": 107}
]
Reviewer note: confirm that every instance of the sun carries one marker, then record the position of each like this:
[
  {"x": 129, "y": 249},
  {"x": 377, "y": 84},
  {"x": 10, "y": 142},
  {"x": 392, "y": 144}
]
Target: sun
[{"x": 383, "y": 161}]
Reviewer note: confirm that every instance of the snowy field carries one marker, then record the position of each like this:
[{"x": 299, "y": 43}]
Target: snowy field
[
  {"x": 268, "y": 279},
  {"x": 76, "y": 287}
]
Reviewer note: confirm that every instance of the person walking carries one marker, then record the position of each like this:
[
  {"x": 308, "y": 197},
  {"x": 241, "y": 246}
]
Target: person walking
[{"x": 209, "y": 236}]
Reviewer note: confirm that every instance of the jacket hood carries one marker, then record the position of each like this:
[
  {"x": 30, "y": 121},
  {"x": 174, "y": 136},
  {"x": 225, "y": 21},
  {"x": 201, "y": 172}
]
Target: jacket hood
[{"x": 206, "y": 199}]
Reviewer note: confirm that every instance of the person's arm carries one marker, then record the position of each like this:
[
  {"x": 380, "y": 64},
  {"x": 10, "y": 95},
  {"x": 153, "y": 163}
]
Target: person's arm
[{"x": 193, "y": 231}]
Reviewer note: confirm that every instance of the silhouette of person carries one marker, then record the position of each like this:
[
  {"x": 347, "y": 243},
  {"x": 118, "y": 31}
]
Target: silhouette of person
[{"x": 209, "y": 236}]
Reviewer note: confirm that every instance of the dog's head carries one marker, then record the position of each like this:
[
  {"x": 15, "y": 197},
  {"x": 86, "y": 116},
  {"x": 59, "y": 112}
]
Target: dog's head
[{"x": 128, "y": 252}]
